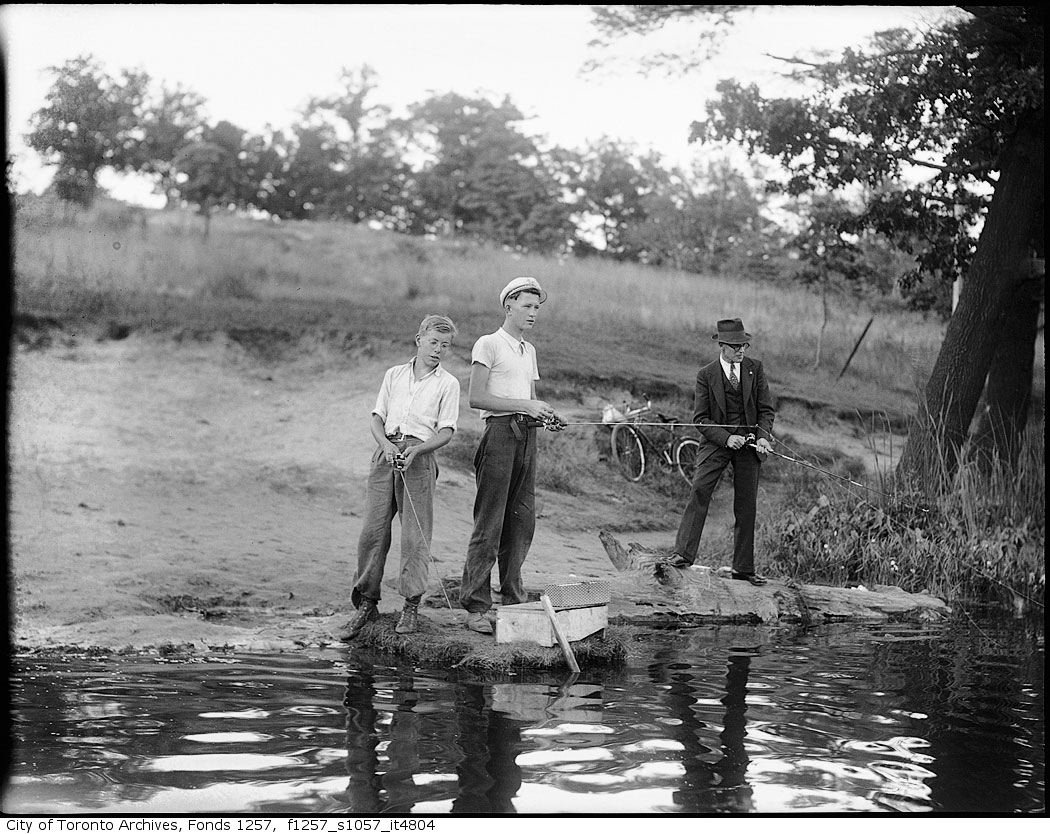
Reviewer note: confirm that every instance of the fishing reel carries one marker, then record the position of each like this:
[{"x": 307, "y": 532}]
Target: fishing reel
[
  {"x": 751, "y": 441},
  {"x": 554, "y": 423}
]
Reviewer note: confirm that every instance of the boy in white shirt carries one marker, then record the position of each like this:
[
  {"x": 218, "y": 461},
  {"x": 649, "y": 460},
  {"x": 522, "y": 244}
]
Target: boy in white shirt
[
  {"x": 415, "y": 414},
  {"x": 503, "y": 378}
]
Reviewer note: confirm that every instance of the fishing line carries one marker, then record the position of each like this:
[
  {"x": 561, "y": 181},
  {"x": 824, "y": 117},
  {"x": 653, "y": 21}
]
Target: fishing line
[
  {"x": 842, "y": 478},
  {"x": 553, "y": 425},
  {"x": 423, "y": 535},
  {"x": 665, "y": 424}
]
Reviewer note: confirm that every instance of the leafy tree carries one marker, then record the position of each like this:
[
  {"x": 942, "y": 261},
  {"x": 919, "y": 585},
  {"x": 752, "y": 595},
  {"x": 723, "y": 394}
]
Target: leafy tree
[
  {"x": 91, "y": 120},
  {"x": 483, "y": 176},
  {"x": 963, "y": 100},
  {"x": 212, "y": 171},
  {"x": 616, "y": 184},
  {"x": 370, "y": 180},
  {"x": 696, "y": 219},
  {"x": 170, "y": 121},
  {"x": 294, "y": 173}
]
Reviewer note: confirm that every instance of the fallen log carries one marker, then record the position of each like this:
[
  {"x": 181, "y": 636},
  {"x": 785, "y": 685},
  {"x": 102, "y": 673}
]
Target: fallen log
[{"x": 646, "y": 589}]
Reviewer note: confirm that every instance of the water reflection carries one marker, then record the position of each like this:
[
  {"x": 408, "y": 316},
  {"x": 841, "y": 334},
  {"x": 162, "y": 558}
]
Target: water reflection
[
  {"x": 714, "y": 779},
  {"x": 489, "y": 742},
  {"x": 735, "y": 720},
  {"x": 364, "y": 786}
]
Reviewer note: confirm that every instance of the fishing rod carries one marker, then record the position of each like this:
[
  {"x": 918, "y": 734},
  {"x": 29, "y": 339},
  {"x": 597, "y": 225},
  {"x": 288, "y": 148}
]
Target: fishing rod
[
  {"x": 751, "y": 444},
  {"x": 557, "y": 424}
]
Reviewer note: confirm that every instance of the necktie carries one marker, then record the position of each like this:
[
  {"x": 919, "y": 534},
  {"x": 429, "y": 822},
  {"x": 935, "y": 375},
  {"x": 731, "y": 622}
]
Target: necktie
[{"x": 734, "y": 383}]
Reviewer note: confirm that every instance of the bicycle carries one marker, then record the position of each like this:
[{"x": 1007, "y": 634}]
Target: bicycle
[{"x": 629, "y": 443}]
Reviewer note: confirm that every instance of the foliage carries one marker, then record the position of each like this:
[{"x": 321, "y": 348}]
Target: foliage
[
  {"x": 349, "y": 142},
  {"x": 90, "y": 120},
  {"x": 615, "y": 181},
  {"x": 982, "y": 537},
  {"x": 171, "y": 119},
  {"x": 836, "y": 250},
  {"x": 482, "y": 175},
  {"x": 614, "y": 22},
  {"x": 699, "y": 218},
  {"x": 211, "y": 170},
  {"x": 911, "y": 101},
  {"x": 963, "y": 100}
]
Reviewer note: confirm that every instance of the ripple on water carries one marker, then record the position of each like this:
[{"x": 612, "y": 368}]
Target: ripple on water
[
  {"x": 229, "y": 762},
  {"x": 837, "y": 720},
  {"x": 228, "y": 738},
  {"x": 243, "y": 714}
]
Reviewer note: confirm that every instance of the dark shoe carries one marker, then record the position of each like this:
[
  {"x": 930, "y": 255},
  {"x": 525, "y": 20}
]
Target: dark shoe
[
  {"x": 365, "y": 614},
  {"x": 479, "y": 623},
  {"x": 409, "y": 619},
  {"x": 753, "y": 578},
  {"x": 677, "y": 560}
]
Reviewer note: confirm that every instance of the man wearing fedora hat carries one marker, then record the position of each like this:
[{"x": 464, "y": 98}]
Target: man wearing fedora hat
[
  {"x": 503, "y": 376},
  {"x": 732, "y": 401}
]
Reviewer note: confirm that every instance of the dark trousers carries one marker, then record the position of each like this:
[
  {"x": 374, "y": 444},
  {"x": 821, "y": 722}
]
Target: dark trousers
[
  {"x": 504, "y": 514},
  {"x": 746, "y": 468}
]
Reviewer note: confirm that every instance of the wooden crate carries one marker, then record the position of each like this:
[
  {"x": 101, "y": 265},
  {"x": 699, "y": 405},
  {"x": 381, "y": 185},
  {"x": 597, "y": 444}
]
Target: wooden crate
[{"x": 528, "y": 623}]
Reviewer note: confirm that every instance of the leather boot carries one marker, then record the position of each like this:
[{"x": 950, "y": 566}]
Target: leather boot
[
  {"x": 365, "y": 614},
  {"x": 409, "y": 619}
]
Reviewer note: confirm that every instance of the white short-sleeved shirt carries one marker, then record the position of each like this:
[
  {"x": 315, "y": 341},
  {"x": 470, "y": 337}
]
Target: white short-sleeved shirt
[
  {"x": 418, "y": 407},
  {"x": 512, "y": 367}
]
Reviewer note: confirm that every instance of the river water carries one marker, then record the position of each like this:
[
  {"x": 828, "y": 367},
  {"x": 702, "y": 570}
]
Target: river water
[{"x": 945, "y": 718}]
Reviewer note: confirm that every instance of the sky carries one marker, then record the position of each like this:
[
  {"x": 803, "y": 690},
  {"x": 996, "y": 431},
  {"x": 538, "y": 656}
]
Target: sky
[{"x": 258, "y": 65}]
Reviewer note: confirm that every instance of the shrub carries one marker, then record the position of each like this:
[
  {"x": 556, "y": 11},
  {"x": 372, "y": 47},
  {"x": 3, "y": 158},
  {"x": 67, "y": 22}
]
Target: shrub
[
  {"x": 982, "y": 535},
  {"x": 228, "y": 284}
]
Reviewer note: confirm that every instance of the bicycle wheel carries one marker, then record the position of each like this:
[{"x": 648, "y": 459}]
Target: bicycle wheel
[
  {"x": 627, "y": 451},
  {"x": 685, "y": 452}
]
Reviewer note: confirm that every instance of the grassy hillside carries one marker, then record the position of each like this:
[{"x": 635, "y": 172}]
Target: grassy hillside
[{"x": 635, "y": 327}]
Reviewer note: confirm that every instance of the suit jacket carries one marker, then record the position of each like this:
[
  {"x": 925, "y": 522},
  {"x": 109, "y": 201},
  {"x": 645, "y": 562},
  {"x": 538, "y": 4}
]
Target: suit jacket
[{"x": 709, "y": 403}]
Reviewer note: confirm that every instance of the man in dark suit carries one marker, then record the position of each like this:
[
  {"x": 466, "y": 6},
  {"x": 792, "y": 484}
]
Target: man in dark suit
[{"x": 732, "y": 401}]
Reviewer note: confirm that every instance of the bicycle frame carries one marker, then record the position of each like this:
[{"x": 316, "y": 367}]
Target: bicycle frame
[{"x": 666, "y": 450}]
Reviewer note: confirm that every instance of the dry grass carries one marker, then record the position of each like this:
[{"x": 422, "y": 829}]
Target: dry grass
[{"x": 73, "y": 257}]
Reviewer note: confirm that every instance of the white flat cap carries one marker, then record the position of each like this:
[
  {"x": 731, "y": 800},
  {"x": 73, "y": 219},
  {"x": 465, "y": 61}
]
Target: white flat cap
[{"x": 522, "y": 283}]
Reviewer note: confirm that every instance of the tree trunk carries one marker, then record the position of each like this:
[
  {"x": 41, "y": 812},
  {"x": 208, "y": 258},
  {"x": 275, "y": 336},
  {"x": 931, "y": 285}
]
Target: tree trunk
[
  {"x": 1008, "y": 393},
  {"x": 958, "y": 376},
  {"x": 824, "y": 307}
]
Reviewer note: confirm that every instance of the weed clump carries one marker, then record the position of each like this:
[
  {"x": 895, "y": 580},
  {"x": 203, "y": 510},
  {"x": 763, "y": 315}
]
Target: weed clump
[{"x": 979, "y": 536}]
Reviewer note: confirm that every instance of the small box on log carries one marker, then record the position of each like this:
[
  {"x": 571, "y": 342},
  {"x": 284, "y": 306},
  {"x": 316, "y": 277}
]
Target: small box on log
[
  {"x": 579, "y": 594},
  {"x": 529, "y": 623}
]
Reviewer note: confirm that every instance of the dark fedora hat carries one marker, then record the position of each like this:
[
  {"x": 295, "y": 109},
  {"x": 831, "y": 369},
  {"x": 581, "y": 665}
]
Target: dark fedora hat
[{"x": 731, "y": 331}]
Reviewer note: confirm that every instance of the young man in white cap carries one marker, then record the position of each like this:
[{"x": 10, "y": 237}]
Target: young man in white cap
[
  {"x": 503, "y": 376},
  {"x": 732, "y": 401},
  {"x": 415, "y": 414}
]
